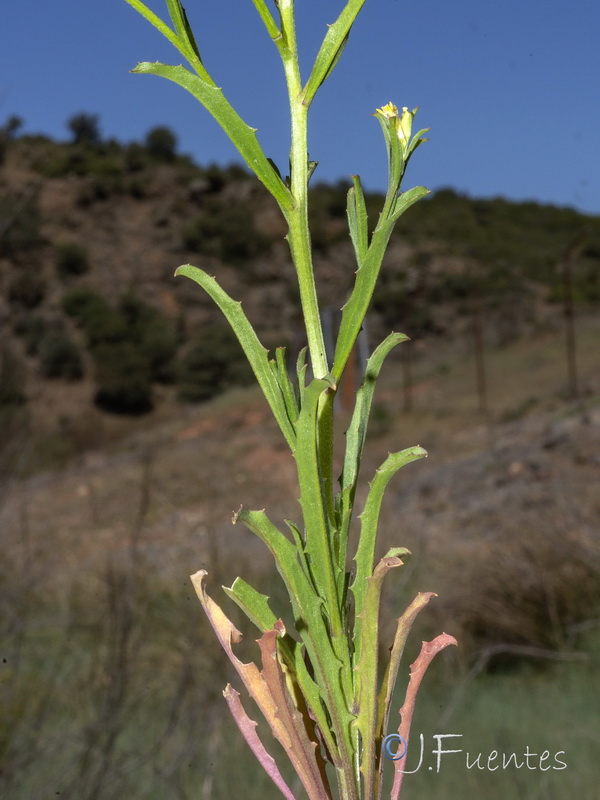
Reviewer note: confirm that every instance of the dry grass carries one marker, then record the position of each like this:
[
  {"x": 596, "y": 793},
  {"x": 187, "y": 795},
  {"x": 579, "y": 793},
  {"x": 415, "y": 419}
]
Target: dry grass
[{"x": 107, "y": 648}]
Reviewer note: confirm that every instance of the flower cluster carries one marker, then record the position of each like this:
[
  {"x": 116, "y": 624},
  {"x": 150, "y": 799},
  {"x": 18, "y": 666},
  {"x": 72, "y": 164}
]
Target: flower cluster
[{"x": 402, "y": 123}]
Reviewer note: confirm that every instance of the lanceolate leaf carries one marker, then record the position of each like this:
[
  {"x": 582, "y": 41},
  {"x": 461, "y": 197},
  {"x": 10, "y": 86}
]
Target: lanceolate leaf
[
  {"x": 256, "y": 608},
  {"x": 319, "y": 531},
  {"x": 331, "y": 48},
  {"x": 256, "y": 354},
  {"x": 417, "y": 670},
  {"x": 268, "y": 691},
  {"x": 247, "y": 728},
  {"x": 354, "y": 311},
  {"x": 229, "y": 635},
  {"x": 302, "y": 752},
  {"x": 301, "y": 367},
  {"x": 405, "y": 623},
  {"x": 160, "y": 26},
  {"x": 182, "y": 26},
  {"x": 283, "y": 379},
  {"x": 369, "y": 521},
  {"x": 356, "y": 433},
  {"x": 326, "y": 572},
  {"x": 407, "y": 199},
  {"x": 308, "y": 615},
  {"x": 366, "y": 670},
  {"x": 254, "y": 604},
  {"x": 357, "y": 220},
  {"x": 267, "y": 18},
  {"x": 241, "y": 134}
]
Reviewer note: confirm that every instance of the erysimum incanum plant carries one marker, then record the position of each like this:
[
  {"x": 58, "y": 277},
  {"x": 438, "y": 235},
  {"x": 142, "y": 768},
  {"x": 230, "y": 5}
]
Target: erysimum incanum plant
[{"x": 317, "y": 685}]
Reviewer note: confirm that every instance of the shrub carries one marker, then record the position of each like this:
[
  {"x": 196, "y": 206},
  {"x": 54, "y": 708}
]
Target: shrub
[
  {"x": 135, "y": 157},
  {"x": 215, "y": 177},
  {"x": 12, "y": 125},
  {"x": 71, "y": 258},
  {"x": 12, "y": 378},
  {"x": 27, "y": 289},
  {"x": 161, "y": 143},
  {"x": 21, "y": 222},
  {"x": 105, "y": 325},
  {"x": 226, "y": 231},
  {"x": 134, "y": 323},
  {"x": 122, "y": 379},
  {"x": 60, "y": 357},
  {"x": 100, "y": 322},
  {"x": 213, "y": 363},
  {"x": 84, "y": 128},
  {"x": 78, "y": 303},
  {"x": 137, "y": 187},
  {"x": 32, "y": 330},
  {"x": 152, "y": 335},
  {"x": 7, "y": 134}
]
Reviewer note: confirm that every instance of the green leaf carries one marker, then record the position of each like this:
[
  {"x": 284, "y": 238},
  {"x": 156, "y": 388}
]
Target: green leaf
[
  {"x": 256, "y": 607},
  {"x": 331, "y": 48},
  {"x": 182, "y": 26},
  {"x": 407, "y": 199},
  {"x": 254, "y": 604},
  {"x": 268, "y": 20},
  {"x": 366, "y": 655},
  {"x": 264, "y": 690},
  {"x": 309, "y": 622},
  {"x": 183, "y": 40},
  {"x": 255, "y": 353},
  {"x": 241, "y": 134},
  {"x": 319, "y": 534},
  {"x": 357, "y": 432},
  {"x": 285, "y": 385},
  {"x": 357, "y": 220},
  {"x": 369, "y": 521},
  {"x": 395, "y": 160},
  {"x": 354, "y": 311},
  {"x": 299, "y": 542},
  {"x": 157, "y": 22},
  {"x": 301, "y": 367}
]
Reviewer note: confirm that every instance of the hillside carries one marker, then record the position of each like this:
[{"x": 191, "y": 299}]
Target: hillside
[
  {"x": 128, "y": 436},
  {"x": 95, "y": 327}
]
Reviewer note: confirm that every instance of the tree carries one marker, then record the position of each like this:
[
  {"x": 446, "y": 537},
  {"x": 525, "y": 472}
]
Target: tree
[
  {"x": 84, "y": 128},
  {"x": 12, "y": 125},
  {"x": 161, "y": 143},
  {"x": 122, "y": 379}
]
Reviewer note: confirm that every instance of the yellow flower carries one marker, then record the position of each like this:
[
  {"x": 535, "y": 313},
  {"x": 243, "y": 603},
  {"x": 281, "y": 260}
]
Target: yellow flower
[
  {"x": 402, "y": 123},
  {"x": 389, "y": 111}
]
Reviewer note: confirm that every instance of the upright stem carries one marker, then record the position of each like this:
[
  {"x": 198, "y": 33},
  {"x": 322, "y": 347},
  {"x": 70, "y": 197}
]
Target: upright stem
[
  {"x": 299, "y": 239},
  {"x": 299, "y": 234},
  {"x": 300, "y": 247}
]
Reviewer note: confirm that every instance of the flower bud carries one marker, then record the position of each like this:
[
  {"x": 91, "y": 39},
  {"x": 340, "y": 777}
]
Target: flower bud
[
  {"x": 402, "y": 122},
  {"x": 404, "y": 125}
]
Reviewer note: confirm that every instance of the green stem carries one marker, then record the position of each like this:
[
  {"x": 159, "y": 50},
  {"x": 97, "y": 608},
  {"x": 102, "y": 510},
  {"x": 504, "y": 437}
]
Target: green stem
[
  {"x": 297, "y": 218},
  {"x": 300, "y": 247},
  {"x": 325, "y": 431}
]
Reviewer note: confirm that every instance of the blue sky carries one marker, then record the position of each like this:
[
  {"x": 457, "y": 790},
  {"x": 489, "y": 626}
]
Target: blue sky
[{"x": 510, "y": 90}]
